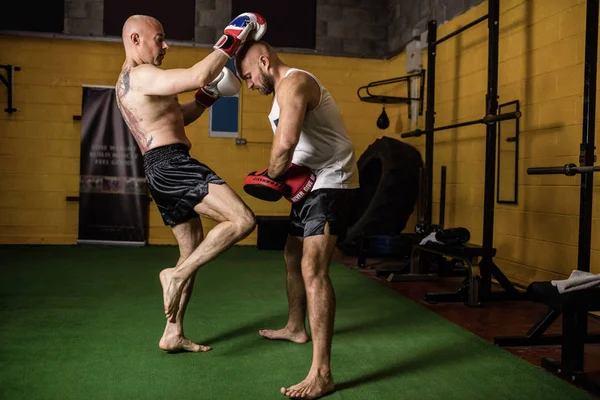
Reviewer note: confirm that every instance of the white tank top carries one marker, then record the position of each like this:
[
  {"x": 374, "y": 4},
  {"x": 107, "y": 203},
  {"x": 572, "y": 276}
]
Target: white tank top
[{"x": 324, "y": 145}]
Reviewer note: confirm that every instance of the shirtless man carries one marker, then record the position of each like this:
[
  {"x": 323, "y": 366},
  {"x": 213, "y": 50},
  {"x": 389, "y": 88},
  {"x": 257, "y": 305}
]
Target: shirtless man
[
  {"x": 309, "y": 131},
  {"x": 182, "y": 188}
]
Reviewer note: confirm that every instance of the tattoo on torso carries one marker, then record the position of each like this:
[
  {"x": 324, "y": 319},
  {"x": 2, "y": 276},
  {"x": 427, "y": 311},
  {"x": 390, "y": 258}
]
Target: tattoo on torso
[{"x": 133, "y": 121}]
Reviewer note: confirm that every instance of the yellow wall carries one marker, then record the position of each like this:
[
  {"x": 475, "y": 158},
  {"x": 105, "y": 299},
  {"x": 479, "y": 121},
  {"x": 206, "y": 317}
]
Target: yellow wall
[
  {"x": 541, "y": 64},
  {"x": 541, "y": 54},
  {"x": 39, "y": 145}
]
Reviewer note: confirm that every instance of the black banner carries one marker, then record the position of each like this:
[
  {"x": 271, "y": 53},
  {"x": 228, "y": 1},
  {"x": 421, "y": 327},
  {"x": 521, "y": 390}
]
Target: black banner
[{"x": 113, "y": 196}]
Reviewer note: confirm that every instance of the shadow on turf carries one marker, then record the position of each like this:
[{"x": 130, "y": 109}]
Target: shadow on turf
[
  {"x": 451, "y": 355},
  {"x": 247, "y": 329}
]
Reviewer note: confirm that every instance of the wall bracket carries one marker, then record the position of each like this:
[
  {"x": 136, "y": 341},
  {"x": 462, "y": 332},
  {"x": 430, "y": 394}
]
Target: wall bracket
[
  {"x": 8, "y": 81},
  {"x": 369, "y": 97}
]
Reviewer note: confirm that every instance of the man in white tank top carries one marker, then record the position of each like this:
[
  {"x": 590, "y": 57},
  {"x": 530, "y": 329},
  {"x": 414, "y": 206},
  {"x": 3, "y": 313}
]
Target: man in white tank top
[{"x": 309, "y": 131}]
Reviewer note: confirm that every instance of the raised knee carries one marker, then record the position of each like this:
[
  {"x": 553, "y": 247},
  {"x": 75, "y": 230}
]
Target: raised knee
[{"x": 246, "y": 223}]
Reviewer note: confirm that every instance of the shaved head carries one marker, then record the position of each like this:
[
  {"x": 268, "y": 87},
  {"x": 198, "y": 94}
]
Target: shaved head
[
  {"x": 138, "y": 24},
  {"x": 252, "y": 50},
  {"x": 257, "y": 63},
  {"x": 144, "y": 39}
]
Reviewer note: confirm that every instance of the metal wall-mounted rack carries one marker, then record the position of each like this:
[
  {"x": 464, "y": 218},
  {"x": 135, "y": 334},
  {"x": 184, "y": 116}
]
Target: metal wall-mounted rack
[
  {"x": 370, "y": 97},
  {"x": 8, "y": 81}
]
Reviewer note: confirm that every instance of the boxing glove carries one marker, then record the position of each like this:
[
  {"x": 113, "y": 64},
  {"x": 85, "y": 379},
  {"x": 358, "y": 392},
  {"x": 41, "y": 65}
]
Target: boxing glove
[
  {"x": 299, "y": 181},
  {"x": 259, "y": 185},
  {"x": 245, "y": 26},
  {"x": 226, "y": 84}
]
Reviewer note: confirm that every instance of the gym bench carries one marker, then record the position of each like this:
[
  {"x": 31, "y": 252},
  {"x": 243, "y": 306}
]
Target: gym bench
[
  {"x": 574, "y": 307},
  {"x": 476, "y": 287}
]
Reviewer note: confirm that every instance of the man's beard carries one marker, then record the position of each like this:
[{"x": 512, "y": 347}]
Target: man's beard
[{"x": 268, "y": 85}]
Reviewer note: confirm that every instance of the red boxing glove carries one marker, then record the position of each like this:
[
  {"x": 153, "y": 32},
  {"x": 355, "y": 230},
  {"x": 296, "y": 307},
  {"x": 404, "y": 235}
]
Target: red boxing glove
[
  {"x": 244, "y": 26},
  {"x": 300, "y": 181}
]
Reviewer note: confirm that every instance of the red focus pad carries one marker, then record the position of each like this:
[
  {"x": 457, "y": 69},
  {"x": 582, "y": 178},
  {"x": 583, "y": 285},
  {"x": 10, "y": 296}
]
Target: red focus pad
[
  {"x": 300, "y": 180},
  {"x": 259, "y": 185}
]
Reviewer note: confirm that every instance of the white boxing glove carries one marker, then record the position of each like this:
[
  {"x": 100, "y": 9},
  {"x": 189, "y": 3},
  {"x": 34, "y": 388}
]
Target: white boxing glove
[{"x": 226, "y": 84}]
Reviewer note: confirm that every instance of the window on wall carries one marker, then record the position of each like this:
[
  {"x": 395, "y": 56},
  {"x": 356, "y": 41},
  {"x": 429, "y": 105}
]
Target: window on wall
[
  {"x": 287, "y": 26},
  {"x": 178, "y": 18},
  {"x": 49, "y": 16}
]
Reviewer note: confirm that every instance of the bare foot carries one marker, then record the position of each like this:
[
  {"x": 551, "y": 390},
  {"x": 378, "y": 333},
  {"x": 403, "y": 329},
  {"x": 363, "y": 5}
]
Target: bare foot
[
  {"x": 285, "y": 334},
  {"x": 313, "y": 387},
  {"x": 179, "y": 343},
  {"x": 172, "y": 289}
]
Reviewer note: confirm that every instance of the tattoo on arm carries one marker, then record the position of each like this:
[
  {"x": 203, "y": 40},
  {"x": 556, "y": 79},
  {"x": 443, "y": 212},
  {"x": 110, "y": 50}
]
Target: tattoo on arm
[
  {"x": 124, "y": 83},
  {"x": 132, "y": 121}
]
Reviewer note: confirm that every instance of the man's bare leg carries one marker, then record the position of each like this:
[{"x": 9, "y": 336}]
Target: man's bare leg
[
  {"x": 295, "y": 330},
  {"x": 321, "y": 314},
  {"x": 188, "y": 235},
  {"x": 236, "y": 221}
]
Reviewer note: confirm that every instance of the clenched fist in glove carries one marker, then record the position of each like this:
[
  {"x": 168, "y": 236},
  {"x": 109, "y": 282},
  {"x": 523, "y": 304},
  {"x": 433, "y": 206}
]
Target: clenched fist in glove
[
  {"x": 226, "y": 84},
  {"x": 300, "y": 181},
  {"x": 245, "y": 26}
]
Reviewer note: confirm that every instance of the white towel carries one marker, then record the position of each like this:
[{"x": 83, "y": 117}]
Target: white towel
[
  {"x": 579, "y": 280},
  {"x": 429, "y": 238}
]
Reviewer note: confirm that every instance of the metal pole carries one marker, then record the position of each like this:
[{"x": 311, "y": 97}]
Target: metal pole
[
  {"x": 11, "y": 86},
  {"x": 567, "y": 169},
  {"x": 442, "y": 198},
  {"x": 430, "y": 119},
  {"x": 9, "y": 82},
  {"x": 488, "y": 119},
  {"x": 421, "y": 196},
  {"x": 589, "y": 127},
  {"x": 464, "y": 28},
  {"x": 492, "y": 108}
]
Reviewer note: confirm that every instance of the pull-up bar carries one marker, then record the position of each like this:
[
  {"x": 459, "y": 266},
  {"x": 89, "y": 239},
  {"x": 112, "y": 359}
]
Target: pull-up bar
[
  {"x": 464, "y": 28},
  {"x": 567, "y": 169},
  {"x": 487, "y": 120}
]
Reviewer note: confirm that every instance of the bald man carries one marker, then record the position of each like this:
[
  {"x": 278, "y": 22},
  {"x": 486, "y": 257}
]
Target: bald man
[
  {"x": 182, "y": 187},
  {"x": 309, "y": 131}
]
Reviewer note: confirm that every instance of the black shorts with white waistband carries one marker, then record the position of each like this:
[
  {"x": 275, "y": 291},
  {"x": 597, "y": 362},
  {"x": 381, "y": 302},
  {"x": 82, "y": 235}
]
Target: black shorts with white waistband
[
  {"x": 320, "y": 208},
  {"x": 177, "y": 182}
]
